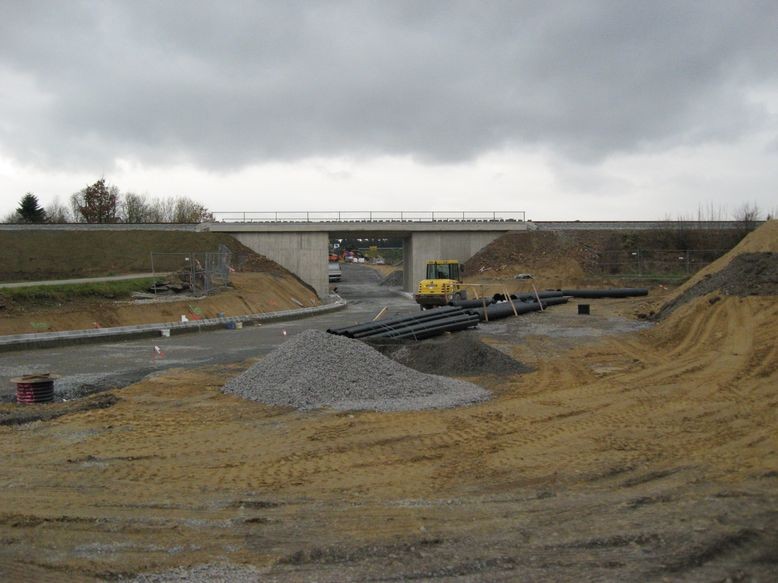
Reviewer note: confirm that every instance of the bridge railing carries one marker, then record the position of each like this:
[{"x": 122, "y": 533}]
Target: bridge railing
[{"x": 367, "y": 216}]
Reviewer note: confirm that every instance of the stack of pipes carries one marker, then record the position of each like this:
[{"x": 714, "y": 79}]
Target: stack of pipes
[{"x": 424, "y": 325}]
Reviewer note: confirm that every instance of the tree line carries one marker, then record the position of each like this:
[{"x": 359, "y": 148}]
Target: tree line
[{"x": 104, "y": 203}]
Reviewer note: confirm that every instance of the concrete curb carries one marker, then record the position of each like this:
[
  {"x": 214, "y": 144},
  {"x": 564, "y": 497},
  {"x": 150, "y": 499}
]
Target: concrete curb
[{"x": 49, "y": 339}]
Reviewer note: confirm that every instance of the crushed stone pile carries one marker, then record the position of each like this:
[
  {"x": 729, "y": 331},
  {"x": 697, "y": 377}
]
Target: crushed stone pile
[
  {"x": 394, "y": 279},
  {"x": 315, "y": 369},
  {"x": 748, "y": 274},
  {"x": 459, "y": 354}
]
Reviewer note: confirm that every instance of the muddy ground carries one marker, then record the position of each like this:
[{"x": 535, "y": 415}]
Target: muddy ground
[{"x": 629, "y": 452}]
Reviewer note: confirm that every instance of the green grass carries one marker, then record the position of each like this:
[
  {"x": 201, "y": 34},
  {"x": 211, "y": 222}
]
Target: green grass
[
  {"x": 42, "y": 255},
  {"x": 60, "y": 293}
]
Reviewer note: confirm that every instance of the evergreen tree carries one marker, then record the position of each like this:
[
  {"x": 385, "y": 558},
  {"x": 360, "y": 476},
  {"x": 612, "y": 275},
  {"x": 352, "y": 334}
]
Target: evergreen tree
[{"x": 29, "y": 210}]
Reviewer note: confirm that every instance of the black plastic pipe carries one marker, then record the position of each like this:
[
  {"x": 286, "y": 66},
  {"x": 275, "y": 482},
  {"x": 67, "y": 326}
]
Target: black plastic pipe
[
  {"x": 438, "y": 331},
  {"x": 543, "y": 295},
  {"x": 377, "y": 323},
  {"x": 505, "y": 310},
  {"x": 364, "y": 326},
  {"x": 392, "y": 332},
  {"x": 528, "y": 296},
  {"x": 408, "y": 323},
  {"x": 432, "y": 328},
  {"x": 472, "y": 303}
]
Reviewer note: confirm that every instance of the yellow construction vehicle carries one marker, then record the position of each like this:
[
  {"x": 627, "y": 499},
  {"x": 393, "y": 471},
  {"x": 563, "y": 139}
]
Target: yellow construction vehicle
[{"x": 442, "y": 285}]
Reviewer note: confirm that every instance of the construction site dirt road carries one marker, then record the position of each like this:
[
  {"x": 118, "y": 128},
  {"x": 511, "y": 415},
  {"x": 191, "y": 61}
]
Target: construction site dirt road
[
  {"x": 628, "y": 451},
  {"x": 89, "y": 368}
]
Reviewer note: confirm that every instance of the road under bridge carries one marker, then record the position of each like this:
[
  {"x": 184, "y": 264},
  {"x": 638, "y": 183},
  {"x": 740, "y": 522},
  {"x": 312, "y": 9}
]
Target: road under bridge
[{"x": 302, "y": 246}]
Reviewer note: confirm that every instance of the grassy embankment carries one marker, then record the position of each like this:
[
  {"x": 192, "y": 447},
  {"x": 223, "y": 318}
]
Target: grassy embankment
[
  {"x": 42, "y": 255},
  {"x": 48, "y": 294}
]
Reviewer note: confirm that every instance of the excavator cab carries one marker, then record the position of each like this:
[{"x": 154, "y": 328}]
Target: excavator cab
[{"x": 442, "y": 285}]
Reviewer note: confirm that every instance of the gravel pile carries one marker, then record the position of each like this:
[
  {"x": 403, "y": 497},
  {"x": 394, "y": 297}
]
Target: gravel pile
[{"x": 316, "y": 369}]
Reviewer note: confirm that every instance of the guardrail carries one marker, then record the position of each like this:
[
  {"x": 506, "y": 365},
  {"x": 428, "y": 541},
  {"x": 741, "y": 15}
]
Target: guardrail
[{"x": 367, "y": 216}]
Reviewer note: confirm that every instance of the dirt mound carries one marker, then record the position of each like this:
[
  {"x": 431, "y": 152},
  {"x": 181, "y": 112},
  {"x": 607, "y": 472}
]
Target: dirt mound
[
  {"x": 595, "y": 257},
  {"x": 750, "y": 269},
  {"x": 251, "y": 293},
  {"x": 460, "y": 354},
  {"x": 561, "y": 257},
  {"x": 749, "y": 274},
  {"x": 762, "y": 240}
]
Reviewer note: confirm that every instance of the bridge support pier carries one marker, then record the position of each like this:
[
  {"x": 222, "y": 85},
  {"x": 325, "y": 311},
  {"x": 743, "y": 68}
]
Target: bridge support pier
[{"x": 420, "y": 247}]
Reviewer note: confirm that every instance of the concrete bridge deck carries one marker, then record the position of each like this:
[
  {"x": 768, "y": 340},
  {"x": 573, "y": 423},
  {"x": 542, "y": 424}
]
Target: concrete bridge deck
[{"x": 302, "y": 247}]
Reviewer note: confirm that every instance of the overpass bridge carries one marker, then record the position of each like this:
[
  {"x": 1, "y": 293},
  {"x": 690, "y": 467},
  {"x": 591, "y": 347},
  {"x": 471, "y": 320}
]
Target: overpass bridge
[{"x": 300, "y": 241}]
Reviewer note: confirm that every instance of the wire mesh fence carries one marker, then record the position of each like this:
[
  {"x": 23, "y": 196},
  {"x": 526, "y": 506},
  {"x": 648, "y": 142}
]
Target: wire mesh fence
[
  {"x": 201, "y": 273},
  {"x": 650, "y": 263}
]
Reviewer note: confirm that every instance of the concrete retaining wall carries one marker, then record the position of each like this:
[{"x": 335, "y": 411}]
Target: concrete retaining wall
[{"x": 304, "y": 254}]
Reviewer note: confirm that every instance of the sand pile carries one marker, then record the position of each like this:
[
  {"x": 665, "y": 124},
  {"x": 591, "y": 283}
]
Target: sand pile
[
  {"x": 750, "y": 269},
  {"x": 316, "y": 369},
  {"x": 460, "y": 354}
]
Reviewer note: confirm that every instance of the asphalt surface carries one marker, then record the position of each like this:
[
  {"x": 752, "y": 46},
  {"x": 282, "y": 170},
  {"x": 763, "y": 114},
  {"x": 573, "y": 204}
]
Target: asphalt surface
[{"x": 93, "y": 367}]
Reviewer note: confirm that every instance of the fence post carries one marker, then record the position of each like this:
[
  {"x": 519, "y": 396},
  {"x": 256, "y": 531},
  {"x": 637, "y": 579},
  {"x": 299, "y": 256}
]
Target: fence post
[{"x": 153, "y": 273}]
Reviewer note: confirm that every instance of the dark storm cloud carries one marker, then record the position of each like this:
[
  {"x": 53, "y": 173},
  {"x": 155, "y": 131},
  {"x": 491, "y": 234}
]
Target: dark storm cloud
[{"x": 228, "y": 84}]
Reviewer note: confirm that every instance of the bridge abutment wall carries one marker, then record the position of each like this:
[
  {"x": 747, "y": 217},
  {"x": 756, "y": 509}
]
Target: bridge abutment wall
[{"x": 302, "y": 253}]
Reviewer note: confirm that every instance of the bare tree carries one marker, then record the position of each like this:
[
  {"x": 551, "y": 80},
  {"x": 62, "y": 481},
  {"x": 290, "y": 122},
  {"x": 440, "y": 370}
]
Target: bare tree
[
  {"x": 187, "y": 210},
  {"x": 160, "y": 210},
  {"x": 56, "y": 212},
  {"x": 748, "y": 215},
  {"x": 12, "y": 217},
  {"x": 135, "y": 208}
]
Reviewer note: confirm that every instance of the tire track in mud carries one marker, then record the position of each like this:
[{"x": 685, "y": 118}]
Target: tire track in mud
[{"x": 719, "y": 384}]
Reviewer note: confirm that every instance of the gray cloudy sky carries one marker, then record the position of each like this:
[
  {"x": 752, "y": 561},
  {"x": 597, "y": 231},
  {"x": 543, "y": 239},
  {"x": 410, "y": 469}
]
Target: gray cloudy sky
[{"x": 600, "y": 109}]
